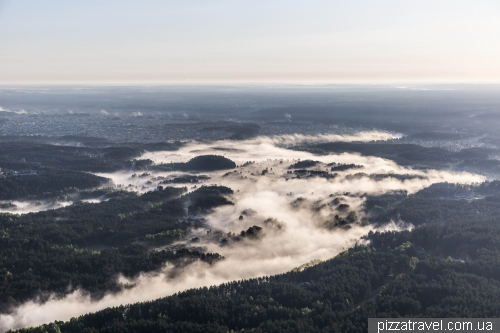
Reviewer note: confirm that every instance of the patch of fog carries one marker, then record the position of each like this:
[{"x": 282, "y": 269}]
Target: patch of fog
[
  {"x": 297, "y": 139},
  {"x": 141, "y": 184},
  {"x": 67, "y": 143},
  {"x": 25, "y": 207},
  {"x": 95, "y": 200}
]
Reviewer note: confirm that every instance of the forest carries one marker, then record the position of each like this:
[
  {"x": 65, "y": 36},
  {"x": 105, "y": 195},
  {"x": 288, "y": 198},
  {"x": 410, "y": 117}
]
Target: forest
[
  {"x": 186, "y": 179},
  {"x": 19, "y": 155},
  {"x": 470, "y": 159},
  {"x": 229, "y": 130},
  {"x": 32, "y": 170},
  {"x": 47, "y": 182},
  {"x": 199, "y": 163},
  {"x": 447, "y": 266},
  {"x": 88, "y": 244}
]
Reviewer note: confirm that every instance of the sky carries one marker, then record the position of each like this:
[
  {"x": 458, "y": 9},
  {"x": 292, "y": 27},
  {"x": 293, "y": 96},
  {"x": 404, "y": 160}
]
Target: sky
[{"x": 231, "y": 41}]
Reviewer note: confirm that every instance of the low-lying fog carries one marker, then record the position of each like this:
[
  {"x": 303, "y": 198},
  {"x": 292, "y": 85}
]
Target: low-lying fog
[
  {"x": 31, "y": 206},
  {"x": 295, "y": 235}
]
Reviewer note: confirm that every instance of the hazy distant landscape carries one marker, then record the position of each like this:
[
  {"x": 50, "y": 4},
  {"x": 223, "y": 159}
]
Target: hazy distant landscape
[{"x": 113, "y": 196}]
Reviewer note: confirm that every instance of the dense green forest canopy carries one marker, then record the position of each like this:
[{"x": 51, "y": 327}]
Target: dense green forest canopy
[
  {"x": 69, "y": 157},
  {"x": 186, "y": 179},
  {"x": 199, "y": 163},
  {"x": 42, "y": 170},
  {"x": 305, "y": 173},
  {"x": 381, "y": 176},
  {"x": 30, "y": 155},
  {"x": 343, "y": 166},
  {"x": 47, "y": 182},
  {"x": 227, "y": 129},
  {"x": 303, "y": 164},
  {"x": 87, "y": 245}
]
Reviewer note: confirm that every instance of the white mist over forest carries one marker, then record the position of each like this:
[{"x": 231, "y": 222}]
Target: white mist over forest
[{"x": 296, "y": 211}]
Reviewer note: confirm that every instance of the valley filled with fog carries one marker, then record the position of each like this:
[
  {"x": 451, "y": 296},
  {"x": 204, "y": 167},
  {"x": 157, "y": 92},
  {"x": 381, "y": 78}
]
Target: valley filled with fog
[
  {"x": 301, "y": 219},
  {"x": 103, "y": 207},
  {"x": 263, "y": 167}
]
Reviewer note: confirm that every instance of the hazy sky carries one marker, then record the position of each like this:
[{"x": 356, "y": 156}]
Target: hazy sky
[{"x": 191, "y": 41}]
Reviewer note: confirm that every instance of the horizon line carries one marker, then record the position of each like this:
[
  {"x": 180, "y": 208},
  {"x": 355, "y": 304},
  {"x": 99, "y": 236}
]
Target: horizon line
[{"x": 262, "y": 83}]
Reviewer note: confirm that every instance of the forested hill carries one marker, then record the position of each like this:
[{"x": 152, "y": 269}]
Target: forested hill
[
  {"x": 199, "y": 163},
  {"x": 448, "y": 266}
]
